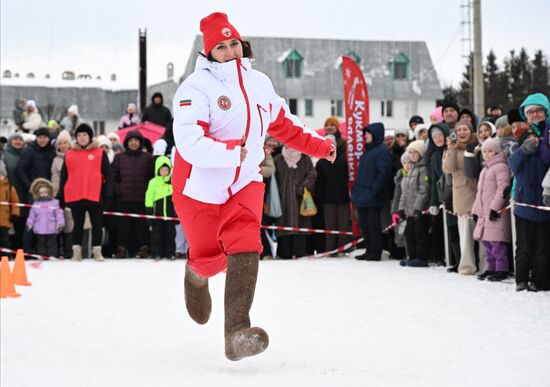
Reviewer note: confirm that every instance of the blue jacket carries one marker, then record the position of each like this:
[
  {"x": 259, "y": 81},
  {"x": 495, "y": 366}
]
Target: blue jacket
[
  {"x": 529, "y": 171},
  {"x": 374, "y": 172}
]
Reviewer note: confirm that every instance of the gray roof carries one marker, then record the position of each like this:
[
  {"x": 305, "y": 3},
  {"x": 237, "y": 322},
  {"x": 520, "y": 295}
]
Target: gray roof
[{"x": 322, "y": 75}]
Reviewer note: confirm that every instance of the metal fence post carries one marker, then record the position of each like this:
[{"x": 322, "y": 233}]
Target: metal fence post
[{"x": 446, "y": 237}]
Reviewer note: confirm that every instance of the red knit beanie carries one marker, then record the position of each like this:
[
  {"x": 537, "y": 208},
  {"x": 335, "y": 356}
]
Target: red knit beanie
[{"x": 215, "y": 28}]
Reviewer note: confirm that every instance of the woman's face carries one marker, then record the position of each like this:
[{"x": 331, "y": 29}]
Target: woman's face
[
  {"x": 63, "y": 146},
  {"x": 227, "y": 50},
  {"x": 17, "y": 143},
  {"x": 463, "y": 134},
  {"x": 484, "y": 132},
  {"x": 414, "y": 155},
  {"x": 438, "y": 139},
  {"x": 83, "y": 139}
]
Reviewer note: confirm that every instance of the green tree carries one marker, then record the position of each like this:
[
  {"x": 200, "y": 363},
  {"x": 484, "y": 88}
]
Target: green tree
[{"x": 541, "y": 82}]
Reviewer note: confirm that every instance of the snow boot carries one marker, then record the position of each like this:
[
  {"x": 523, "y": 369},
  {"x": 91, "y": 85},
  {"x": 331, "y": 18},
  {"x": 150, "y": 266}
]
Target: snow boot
[
  {"x": 121, "y": 252},
  {"x": 197, "y": 296},
  {"x": 240, "y": 284},
  {"x": 417, "y": 262},
  {"x": 486, "y": 275},
  {"x": 96, "y": 252},
  {"x": 521, "y": 286},
  {"x": 498, "y": 276},
  {"x": 77, "y": 253}
]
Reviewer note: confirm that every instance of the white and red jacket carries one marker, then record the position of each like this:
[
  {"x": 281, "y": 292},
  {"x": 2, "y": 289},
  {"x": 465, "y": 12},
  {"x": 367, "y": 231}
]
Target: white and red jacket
[{"x": 213, "y": 108}]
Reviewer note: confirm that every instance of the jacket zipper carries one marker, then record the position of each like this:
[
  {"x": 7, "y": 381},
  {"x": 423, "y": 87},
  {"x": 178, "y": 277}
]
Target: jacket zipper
[
  {"x": 261, "y": 118},
  {"x": 241, "y": 85}
]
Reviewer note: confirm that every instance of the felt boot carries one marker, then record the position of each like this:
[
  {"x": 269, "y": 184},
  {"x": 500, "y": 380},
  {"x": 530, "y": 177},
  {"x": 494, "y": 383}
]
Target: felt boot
[
  {"x": 77, "y": 253},
  {"x": 96, "y": 252},
  {"x": 197, "y": 296},
  {"x": 240, "y": 284}
]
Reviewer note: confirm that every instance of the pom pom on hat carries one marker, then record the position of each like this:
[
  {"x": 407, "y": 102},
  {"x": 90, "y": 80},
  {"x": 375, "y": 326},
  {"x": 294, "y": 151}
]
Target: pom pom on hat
[{"x": 216, "y": 28}]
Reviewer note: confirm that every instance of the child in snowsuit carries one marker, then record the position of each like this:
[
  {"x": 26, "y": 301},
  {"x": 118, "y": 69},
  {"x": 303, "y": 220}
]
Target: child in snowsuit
[
  {"x": 492, "y": 228},
  {"x": 46, "y": 220},
  {"x": 158, "y": 202},
  {"x": 415, "y": 197},
  {"x": 8, "y": 214}
]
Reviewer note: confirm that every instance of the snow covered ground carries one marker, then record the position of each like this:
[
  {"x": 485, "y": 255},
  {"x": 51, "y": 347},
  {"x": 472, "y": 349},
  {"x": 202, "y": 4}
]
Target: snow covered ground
[{"x": 332, "y": 322}]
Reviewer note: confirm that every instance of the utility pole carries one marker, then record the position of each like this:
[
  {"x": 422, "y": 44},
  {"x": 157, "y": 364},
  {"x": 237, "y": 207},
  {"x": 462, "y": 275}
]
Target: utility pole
[
  {"x": 479, "y": 85},
  {"x": 467, "y": 46},
  {"x": 142, "y": 90}
]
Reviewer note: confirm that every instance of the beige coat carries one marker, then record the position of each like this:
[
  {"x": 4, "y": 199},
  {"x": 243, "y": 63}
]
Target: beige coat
[{"x": 464, "y": 188}]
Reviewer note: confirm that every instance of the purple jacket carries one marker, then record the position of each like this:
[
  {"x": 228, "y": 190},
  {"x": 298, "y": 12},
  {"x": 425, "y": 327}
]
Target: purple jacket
[
  {"x": 494, "y": 178},
  {"x": 45, "y": 221},
  {"x": 545, "y": 146}
]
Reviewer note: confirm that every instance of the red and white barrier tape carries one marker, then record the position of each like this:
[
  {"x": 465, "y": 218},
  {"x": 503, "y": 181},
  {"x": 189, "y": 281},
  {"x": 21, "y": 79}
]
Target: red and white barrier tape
[
  {"x": 41, "y": 257},
  {"x": 471, "y": 217},
  {"x": 544, "y": 208}
]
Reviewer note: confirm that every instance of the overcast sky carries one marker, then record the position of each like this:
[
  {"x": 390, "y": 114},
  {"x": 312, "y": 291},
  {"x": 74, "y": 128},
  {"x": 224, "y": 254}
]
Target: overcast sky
[{"x": 100, "y": 37}]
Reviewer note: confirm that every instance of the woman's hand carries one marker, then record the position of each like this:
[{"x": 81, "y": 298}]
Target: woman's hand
[
  {"x": 451, "y": 145},
  {"x": 332, "y": 156},
  {"x": 243, "y": 149}
]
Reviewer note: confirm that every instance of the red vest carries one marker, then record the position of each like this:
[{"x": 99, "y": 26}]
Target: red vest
[{"x": 84, "y": 178}]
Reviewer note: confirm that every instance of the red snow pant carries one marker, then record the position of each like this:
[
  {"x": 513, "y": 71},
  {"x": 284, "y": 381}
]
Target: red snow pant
[{"x": 215, "y": 231}]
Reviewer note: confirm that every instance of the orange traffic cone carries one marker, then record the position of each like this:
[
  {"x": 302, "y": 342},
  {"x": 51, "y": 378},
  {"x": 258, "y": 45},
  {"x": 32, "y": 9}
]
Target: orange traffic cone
[
  {"x": 7, "y": 288},
  {"x": 19, "y": 270}
]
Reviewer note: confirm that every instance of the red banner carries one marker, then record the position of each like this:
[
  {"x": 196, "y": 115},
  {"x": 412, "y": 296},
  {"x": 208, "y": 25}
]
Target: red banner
[{"x": 356, "y": 100}]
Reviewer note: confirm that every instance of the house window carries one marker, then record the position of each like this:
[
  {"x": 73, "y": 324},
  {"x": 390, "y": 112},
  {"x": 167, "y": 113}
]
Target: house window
[
  {"x": 309, "y": 107},
  {"x": 386, "y": 108},
  {"x": 99, "y": 127},
  {"x": 293, "y": 64},
  {"x": 336, "y": 108},
  {"x": 293, "y": 105},
  {"x": 400, "y": 66}
]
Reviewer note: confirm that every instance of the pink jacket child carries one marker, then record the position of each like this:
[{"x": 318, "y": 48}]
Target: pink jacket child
[
  {"x": 47, "y": 219},
  {"x": 492, "y": 228}
]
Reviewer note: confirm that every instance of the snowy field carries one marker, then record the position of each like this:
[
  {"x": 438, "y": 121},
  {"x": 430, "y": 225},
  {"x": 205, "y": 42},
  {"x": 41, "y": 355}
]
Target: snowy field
[{"x": 332, "y": 322}]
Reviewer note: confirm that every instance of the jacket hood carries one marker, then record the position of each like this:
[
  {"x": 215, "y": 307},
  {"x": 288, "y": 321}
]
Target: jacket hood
[
  {"x": 133, "y": 134},
  {"x": 441, "y": 126},
  {"x": 160, "y": 162},
  {"x": 377, "y": 130},
  {"x": 39, "y": 183},
  {"x": 155, "y": 95},
  {"x": 498, "y": 158},
  {"x": 535, "y": 99}
]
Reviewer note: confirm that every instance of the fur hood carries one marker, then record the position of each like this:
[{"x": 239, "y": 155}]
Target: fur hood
[
  {"x": 93, "y": 145},
  {"x": 39, "y": 183}
]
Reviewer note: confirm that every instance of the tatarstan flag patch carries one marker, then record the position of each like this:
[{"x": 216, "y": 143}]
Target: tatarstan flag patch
[{"x": 185, "y": 102}]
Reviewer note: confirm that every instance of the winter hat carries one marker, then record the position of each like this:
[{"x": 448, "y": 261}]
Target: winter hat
[
  {"x": 492, "y": 144},
  {"x": 113, "y": 135},
  {"x": 417, "y": 146},
  {"x": 13, "y": 136},
  {"x": 490, "y": 125},
  {"x": 103, "y": 140},
  {"x": 332, "y": 121},
  {"x": 117, "y": 146},
  {"x": 467, "y": 112},
  {"x": 404, "y": 132},
  {"x": 52, "y": 124},
  {"x": 31, "y": 103},
  {"x": 84, "y": 128},
  {"x": 416, "y": 119},
  {"x": 42, "y": 132},
  {"x": 389, "y": 133},
  {"x": 73, "y": 109},
  {"x": 465, "y": 123},
  {"x": 501, "y": 121},
  {"x": 132, "y": 106},
  {"x": 522, "y": 134},
  {"x": 529, "y": 107},
  {"x": 64, "y": 135},
  {"x": 405, "y": 158},
  {"x": 437, "y": 114},
  {"x": 449, "y": 104},
  {"x": 419, "y": 128},
  {"x": 514, "y": 116},
  {"x": 215, "y": 28}
]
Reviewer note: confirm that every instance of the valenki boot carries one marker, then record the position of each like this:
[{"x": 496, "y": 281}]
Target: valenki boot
[
  {"x": 197, "y": 296},
  {"x": 96, "y": 252},
  {"x": 77, "y": 253},
  {"x": 240, "y": 283}
]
